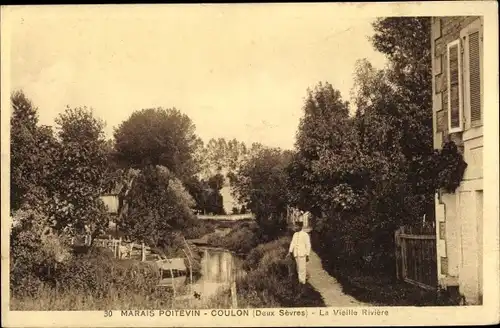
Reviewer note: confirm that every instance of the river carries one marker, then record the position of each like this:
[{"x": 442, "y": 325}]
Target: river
[{"x": 219, "y": 268}]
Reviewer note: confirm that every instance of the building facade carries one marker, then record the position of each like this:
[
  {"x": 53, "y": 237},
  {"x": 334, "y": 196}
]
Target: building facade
[{"x": 457, "y": 87}]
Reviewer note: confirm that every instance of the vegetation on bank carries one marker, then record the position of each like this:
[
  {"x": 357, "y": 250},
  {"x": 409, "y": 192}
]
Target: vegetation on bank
[
  {"x": 359, "y": 279},
  {"x": 271, "y": 279},
  {"x": 361, "y": 176},
  {"x": 242, "y": 238},
  {"x": 47, "y": 274}
]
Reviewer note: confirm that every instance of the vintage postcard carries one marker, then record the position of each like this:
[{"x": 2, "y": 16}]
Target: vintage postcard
[{"x": 328, "y": 164}]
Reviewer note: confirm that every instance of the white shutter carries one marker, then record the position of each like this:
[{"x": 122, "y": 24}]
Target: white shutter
[{"x": 454, "y": 76}]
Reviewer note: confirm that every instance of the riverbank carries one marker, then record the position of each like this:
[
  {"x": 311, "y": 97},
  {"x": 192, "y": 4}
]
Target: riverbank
[
  {"x": 271, "y": 279},
  {"x": 90, "y": 281}
]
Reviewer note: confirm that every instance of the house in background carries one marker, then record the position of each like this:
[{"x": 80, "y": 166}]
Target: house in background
[
  {"x": 115, "y": 201},
  {"x": 457, "y": 88}
]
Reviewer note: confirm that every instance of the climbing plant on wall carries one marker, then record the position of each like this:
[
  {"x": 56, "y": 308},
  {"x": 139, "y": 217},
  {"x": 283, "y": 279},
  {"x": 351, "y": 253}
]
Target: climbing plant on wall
[{"x": 449, "y": 167}]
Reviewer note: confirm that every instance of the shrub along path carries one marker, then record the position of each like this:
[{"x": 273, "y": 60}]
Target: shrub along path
[{"x": 327, "y": 286}]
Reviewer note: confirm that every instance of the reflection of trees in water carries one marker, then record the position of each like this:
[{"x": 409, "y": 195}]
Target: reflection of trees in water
[{"x": 217, "y": 266}]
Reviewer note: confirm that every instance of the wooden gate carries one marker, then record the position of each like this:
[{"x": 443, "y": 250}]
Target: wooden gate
[{"x": 416, "y": 256}]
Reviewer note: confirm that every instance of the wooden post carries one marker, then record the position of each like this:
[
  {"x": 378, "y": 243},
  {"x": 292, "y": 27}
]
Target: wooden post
[
  {"x": 403, "y": 255},
  {"x": 190, "y": 272},
  {"x": 173, "y": 281},
  {"x": 120, "y": 248},
  {"x": 234, "y": 295},
  {"x": 397, "y": 250},
  {"x": 131, "y": 249},
  {"x": 143, "y": 253}
]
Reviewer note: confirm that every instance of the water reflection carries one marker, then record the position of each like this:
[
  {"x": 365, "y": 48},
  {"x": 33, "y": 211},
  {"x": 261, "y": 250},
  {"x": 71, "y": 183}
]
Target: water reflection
[{"x": 219, "y": 268}]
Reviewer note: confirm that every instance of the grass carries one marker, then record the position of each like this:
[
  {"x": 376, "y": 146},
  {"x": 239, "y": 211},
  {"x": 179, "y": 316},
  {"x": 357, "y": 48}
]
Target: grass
[
  {"x": 270, "y": 281},
  {"x": 48, "y": 299},
  {"x": 91, "y": 280},
  {"x": 376, "y": 286}
]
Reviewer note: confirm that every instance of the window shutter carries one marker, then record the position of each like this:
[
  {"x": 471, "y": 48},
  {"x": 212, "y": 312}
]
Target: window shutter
[
  {"x": 454, "y": 87},
  {"x": 474, "y": 77}
]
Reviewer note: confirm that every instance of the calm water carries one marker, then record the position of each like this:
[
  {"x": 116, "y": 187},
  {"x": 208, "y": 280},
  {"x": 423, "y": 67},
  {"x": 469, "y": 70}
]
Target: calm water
[{"x": 218, "y": 269}]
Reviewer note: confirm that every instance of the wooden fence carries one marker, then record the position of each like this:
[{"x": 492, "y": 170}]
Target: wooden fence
[
  {"x": 416, "y": 256},
  {"x": 176, "y": 267}
]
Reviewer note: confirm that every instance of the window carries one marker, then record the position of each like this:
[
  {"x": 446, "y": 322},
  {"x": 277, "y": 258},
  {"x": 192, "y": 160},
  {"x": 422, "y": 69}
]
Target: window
[
  {"x": 473, "y": 56},
  {"x": 455, "y": 111}
]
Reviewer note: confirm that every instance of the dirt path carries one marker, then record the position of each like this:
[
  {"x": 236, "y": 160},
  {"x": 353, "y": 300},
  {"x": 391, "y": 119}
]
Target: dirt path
[{"x": 327, "y": 286}]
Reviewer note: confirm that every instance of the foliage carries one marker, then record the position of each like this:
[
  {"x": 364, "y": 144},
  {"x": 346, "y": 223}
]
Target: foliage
[
  {"x": 94, "y": 280},
  {"x": 198, "y": 229},
  {"x": 326, "y": 152},
  {"x": 35, "y": 252},
  {"x": 207, "y": 194},
  {"x": 32, "y": 152},
  {"x": 76, "y": 182},
  {"x": 450, "y": 167},
  {"x": 158, "y": 204},
  {"x": 221, "y": 156},
  {"x": 362, "y": 176},
  {"x": 272, "y": 281},
  {"x": 159, "y": 136},
  {"x": 261, "y": 183},
  {"x": 98, "y": 274},
  {"x": 241, "y": 239}
]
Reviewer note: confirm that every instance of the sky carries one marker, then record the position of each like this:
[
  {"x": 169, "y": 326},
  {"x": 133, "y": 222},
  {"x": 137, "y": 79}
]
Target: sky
[{"x": 238, "y": 71}]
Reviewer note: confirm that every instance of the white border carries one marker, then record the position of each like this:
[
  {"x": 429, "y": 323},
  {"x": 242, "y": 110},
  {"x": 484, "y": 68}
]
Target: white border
[{"x": 488, "y": 313}]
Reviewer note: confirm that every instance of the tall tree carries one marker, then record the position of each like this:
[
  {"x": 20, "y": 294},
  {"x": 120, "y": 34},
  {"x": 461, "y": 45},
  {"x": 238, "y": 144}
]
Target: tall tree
[
  {"x": 159, "y": 136},
  {"x": 406, "y": 42},
  {"x": 262, "y": 184},
  {"x": 77, "y": 181},
  {"x": 158, "y": 205},
  {"x": 321, "y": 138},
  {"x": 32, "y": 151},
  {"x": 223, "y": 156}
]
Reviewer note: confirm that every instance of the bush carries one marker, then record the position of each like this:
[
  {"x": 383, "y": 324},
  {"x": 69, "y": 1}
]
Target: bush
[
  {"x": 98, "y": 274},
  {"x": 93, "y": 279},
  {"x": 198, "y": 229},
  {"x": 272, "y": 279},
  {"x": 34, "y": 253},
  {"x": 241, "y": 239}
]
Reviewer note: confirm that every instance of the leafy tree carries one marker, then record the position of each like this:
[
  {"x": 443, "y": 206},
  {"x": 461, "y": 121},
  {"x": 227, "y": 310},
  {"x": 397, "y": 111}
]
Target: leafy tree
[
  {"x": 77, "y": 181},
  {"x": 370, "y": 173},
  {"x": 32, "y": 150},
  {"x": 158, "y": 205},
  {"x": 262, "y": 183},
  {"x": 406, "y": 42},
  {"x": 216, "y": 182},
  {"x": 322, "y": 138},
  {"x": 159, "y": 136},
  {"x": 207, "y": 194},
  {"x": 221, "y": 156}
]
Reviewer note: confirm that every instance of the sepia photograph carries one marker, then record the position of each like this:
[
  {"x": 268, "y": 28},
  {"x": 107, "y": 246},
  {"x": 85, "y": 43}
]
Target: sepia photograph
[{"x": 258, "y": 163}]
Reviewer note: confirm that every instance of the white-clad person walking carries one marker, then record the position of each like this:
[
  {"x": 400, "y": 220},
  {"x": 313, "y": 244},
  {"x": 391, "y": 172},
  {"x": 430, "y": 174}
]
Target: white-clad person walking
[{"x": 300, "y": 247}]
